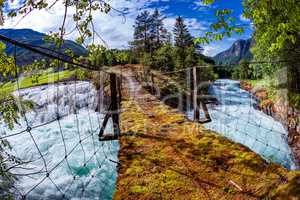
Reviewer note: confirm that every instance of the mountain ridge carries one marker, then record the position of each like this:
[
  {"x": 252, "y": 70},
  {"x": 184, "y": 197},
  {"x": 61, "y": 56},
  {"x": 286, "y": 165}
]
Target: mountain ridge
[
  {"x": 238, "y": 51},
  {"x": 35, "y": 38}
]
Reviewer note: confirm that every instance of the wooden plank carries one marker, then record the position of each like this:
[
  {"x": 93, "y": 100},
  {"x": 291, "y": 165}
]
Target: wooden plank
[{"x": 104, "y": 123}]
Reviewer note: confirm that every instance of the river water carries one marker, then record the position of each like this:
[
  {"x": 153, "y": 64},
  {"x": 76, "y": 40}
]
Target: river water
[
  {"x": 236, "y": 118},
  {"x": 88, "y": 171}
]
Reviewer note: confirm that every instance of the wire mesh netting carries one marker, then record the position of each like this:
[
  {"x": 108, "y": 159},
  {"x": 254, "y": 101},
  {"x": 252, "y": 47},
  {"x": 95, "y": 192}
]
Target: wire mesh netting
[
  {"x": 55, "y": 148},
  {"x": 56, "y": 144},
  {"x": 226, "y": 108}
]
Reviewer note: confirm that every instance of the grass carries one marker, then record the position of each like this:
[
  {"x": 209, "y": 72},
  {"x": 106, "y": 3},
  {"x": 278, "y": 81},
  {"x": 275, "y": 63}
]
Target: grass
[{"x": 46, "y": 77}]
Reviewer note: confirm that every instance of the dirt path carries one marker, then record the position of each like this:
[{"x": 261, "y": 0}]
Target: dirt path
[{"x": 165, "y": 156}]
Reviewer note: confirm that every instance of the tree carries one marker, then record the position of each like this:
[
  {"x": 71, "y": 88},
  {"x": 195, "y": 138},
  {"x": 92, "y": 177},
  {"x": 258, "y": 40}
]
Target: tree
[
  {"x": 191, "y": 58},
  {"x": 183, "y": 40},
  {"x": 182, "y": 35},
  {"x": 159, "y": 33},
  {"x": 142, "y": 32},
  {"x": 277, "y": 35},
  {"x": 7, "y": 68},
  {"x": 164, "y": 58},
  {"x": 242, "y": 71}
]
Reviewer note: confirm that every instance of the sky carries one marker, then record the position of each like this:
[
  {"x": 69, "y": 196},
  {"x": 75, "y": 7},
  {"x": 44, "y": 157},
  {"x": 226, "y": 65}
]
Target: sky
[{"x": 117, "y": 30}]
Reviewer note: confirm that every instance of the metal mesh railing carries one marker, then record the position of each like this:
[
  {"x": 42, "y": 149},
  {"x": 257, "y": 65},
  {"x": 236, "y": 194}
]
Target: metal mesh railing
[
  {"x": 64, "y": 146},
  {"x": 223, "y": 106}
]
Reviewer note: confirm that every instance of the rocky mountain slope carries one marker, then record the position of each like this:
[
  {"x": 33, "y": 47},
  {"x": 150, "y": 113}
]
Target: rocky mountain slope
[
  {"x": 34, "y": 39},
  {"x": 239, "y": 50}
]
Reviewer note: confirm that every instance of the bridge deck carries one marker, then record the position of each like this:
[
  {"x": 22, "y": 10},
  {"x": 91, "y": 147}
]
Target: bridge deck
[{"x": 165, "y": 156}]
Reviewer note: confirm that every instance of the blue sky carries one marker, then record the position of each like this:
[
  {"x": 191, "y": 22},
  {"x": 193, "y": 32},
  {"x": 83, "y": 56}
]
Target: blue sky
[{"x": 117, "y": 32}]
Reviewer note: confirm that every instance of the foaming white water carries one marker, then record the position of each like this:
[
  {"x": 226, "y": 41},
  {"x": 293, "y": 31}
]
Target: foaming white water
[
  {"x": 236, "y": 118},
  {"x": 75, "y": 165}
]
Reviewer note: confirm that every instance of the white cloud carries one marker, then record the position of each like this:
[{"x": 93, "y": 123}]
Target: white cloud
[
  {"x": 216, "y": 47},
  {"x": 200, "y": 6},
  {"x": 200, "y": 3},
  {"x": 196, "y": 27},
  {"x": 243, "y": 19},
  {"x": 169, "y": 23},
  {"x": 13, "y": 4},
  {"x": 211, "y": 50},
  {"x": 112, "y": 27}
]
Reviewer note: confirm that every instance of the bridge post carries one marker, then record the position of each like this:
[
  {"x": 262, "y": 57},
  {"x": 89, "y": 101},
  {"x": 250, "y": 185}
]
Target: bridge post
[
  {"x": 113, "y": 110},
  {"x": 152, "y": 83},
  {"x": 115, "y": 103},
  {"x": 189, "y": 88},
  {"x": 195, "y": 95}
]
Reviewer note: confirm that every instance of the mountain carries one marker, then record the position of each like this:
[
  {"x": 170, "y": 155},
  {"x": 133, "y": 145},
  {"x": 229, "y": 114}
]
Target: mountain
[
  {"x": 239, "y": 50},
  {"x": 35, "y": 38}
]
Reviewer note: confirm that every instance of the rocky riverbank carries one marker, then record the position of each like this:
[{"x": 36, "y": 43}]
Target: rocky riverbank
[{"x": 281, "y": 111}]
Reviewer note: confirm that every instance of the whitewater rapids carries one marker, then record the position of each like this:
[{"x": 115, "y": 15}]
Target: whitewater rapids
[
  {"x": 66, "y": 160},
  {"x": 236, "y": 118}
]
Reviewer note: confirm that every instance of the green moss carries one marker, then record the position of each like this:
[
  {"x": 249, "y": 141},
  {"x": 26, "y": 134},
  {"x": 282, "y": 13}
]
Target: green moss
[
  {"x": 172, "y": 158},
  {"x": 138, "y": 189},
  {"x": 291, "y": 189}
]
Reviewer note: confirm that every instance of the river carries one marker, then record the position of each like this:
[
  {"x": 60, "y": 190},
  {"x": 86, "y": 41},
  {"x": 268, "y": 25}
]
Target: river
[
  {"x": 236, "y": 118},
  {"x": 89, "y": 171}
]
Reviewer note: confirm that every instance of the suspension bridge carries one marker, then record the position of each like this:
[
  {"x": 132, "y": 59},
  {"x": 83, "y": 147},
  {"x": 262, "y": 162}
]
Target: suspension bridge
[{"x": 125, "y": 140}]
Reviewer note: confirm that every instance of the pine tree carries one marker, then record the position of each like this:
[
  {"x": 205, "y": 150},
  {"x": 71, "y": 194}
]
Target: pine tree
[
  {"x": 142, "y": 32},
  {"x": 182, "y": 35},
  {"x": 183, "y": 40},
  {"x": 159, "y": 34}
]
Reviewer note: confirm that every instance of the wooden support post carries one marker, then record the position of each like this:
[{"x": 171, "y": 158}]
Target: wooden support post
[
  {"x": 152, "y": 83},
  {"x": 195, "y": 102},
  {"x": 189, "y": 89},
  {"x": 104, "y": 123},
  {"x": 119, "y": 83},
  {"x": 113, "y": 110},
  {"x": 203, "y": 107},
  {"x": 114, "y": 103},
  {"x": 101, "y": 92},
  {"x": 207, "y": 116}
]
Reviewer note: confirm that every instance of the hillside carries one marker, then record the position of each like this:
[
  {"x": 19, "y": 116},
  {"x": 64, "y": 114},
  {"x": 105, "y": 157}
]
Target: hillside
[
  {"x": 239, "y": 50},
  {"x": 34, "y": 38}
]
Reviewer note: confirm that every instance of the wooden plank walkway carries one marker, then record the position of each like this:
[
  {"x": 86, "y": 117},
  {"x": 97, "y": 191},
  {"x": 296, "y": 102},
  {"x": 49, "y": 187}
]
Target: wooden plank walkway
[{"x": 165, "y": 156}]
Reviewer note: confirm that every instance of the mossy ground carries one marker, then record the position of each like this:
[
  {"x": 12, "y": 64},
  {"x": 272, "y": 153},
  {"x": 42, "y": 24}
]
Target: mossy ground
[{"x": 165, "y": 156}]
